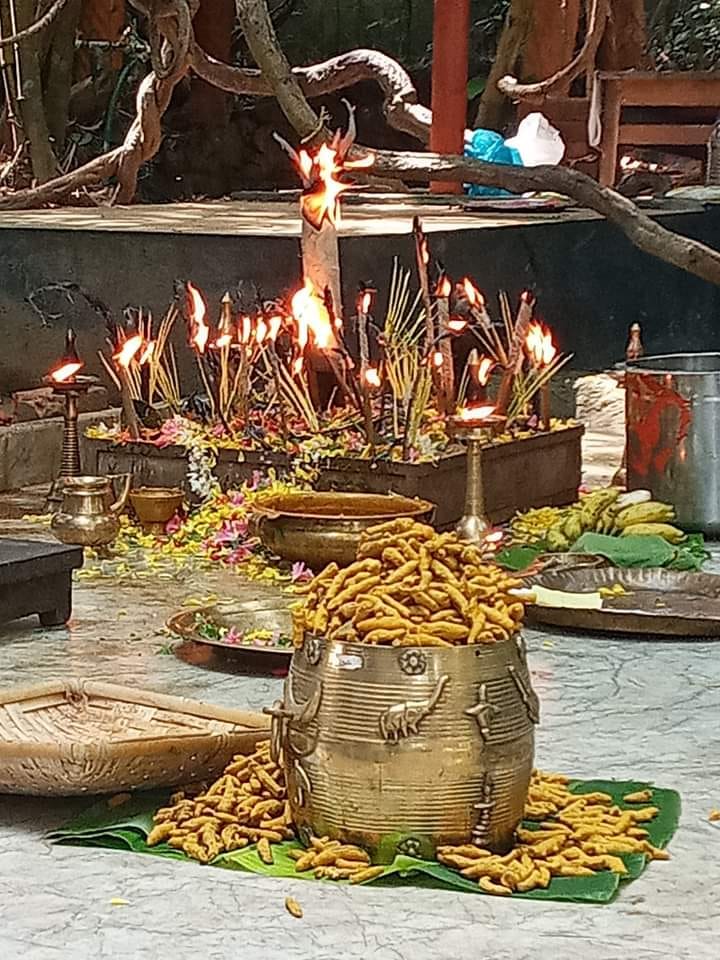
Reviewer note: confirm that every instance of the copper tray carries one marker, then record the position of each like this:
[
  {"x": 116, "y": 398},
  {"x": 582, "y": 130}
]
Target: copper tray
[
  {"x": 660, "y": 602},
  {"x": 244, "y": 615}
]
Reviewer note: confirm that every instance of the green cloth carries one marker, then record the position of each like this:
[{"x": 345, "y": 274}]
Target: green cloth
[{"x": 126, "y": 827}]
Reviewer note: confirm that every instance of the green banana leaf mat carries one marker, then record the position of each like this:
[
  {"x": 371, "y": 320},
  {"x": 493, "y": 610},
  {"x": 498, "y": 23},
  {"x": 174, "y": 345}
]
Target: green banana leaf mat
[{"x": 126, "y": 827}]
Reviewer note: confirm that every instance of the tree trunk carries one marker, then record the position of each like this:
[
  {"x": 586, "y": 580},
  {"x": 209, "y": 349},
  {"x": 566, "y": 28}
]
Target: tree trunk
[
  {"x": 59, "y": 73},
  {"x": 494, "y": 105},
  {"x": 552, "y": 39},
  {"x": 32, "y": 108},
  {"x": 101, "y": 20},
  {"x": 624, "y": 45},
  {"x": 267, "y": 52},
  {"x": 213, "y": 26}
]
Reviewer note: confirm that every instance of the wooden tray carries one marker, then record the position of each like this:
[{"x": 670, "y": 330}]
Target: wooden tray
[
  {"x": 81, "y": 736},
  {"x": 660, "y": 602},
  {"x": 245, "y": 616}
]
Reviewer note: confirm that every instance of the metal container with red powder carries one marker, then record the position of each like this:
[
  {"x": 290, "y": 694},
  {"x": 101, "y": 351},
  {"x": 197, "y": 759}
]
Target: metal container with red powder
[{"x": 673, "y": 434}]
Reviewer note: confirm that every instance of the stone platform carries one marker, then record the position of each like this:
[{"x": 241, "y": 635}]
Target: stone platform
[{"x": 615, "y": 708}]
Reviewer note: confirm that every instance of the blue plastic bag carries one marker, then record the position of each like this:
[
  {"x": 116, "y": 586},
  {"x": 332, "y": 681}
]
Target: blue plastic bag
[{"x": 489, "y": 146}]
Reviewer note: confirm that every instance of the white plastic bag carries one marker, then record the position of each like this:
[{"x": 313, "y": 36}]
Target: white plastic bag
[{"x": 537, "y": 141}]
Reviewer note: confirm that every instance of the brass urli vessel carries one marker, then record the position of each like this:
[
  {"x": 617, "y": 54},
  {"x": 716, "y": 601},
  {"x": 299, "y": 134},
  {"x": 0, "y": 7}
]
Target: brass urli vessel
[
  {"x": 475, "y": 432},
  {"x": 155, "y": 506}
]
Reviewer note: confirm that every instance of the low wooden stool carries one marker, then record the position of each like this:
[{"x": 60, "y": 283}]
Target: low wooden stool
[{"x": 36, "y": 577}]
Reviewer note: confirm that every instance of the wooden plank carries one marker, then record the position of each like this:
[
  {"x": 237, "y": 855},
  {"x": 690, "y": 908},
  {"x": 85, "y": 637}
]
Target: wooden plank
[
  {"x": 664, "y": 134},
  {"x": 612, "y": 105},
  {"x": 691, "y": 89}
]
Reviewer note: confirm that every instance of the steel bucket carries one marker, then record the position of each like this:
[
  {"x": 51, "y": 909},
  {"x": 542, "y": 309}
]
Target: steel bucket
[
  {"x": 404, "y": 749},
  {"x": 673, "y": 434}
]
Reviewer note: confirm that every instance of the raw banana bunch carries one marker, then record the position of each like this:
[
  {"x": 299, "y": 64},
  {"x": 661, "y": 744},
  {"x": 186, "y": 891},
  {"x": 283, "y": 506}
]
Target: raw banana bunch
[
  {"x": 664, "y": 530},
  {"x": 650, "y": 512}
]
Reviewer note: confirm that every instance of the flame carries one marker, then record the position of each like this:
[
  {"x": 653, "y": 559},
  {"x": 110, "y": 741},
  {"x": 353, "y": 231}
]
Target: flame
[
  {"x": 540, "y": 345},
  {"x": 66, "y": 372},
  {"x": 372, "y": 377},
  {"x": 245, "y": 329},
  {"x": 223, "y": 341},
  {"x": 197, "y": 312},
  {"x": 365, "y": 302},
  {"x": 147, "y": 353},
  {"x": 297, "y": 366},
  {"x": 321, "y": 201},
  {"x": 456, "y": 325},
  {"x": 484, "y": 370},
  {"x": 437, "y": 358},
  {"x": 475, "y": 298},
  {"x": 261, "y": 330},
  {"x": 311, "y": 316},
  {"x": 444, "y": 287},
  {"x": 127, "y": 351},
  {"x": 274, "y": 324},
  {"x": 477, "y": 413}
]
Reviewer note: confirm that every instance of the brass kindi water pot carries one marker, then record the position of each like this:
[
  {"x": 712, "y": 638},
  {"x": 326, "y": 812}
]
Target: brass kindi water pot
[
  {"x": 404, "y": 749},
  {"x": 89, "y": 514}
]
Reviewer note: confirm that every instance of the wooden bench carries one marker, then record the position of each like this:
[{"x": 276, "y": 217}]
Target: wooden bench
[{"x": 690, "y": 91}]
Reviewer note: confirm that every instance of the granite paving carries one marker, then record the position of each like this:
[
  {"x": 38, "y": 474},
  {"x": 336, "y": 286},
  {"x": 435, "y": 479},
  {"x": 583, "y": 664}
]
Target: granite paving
[{"x": 611, "y": 707}]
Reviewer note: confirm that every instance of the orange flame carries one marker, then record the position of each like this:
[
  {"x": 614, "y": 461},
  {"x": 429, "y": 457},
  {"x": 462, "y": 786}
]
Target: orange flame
[
  {"x": 126, "y": 353},
  {"x": 311, "y": 316},
  {"x": 261, "y": 330},
  {"x": 424, "y": 252},
  {"x": 372, "y": 377},
  {"x": 147, "y": 353},
  {"x": 456, "y": 325},
  {"x": 245, "y": 329},
  {"x": 540, "y": 345},
  {"x": 197, "y": 312},
  {"x": 437, "y": 358},
  {"x": 475, "y": 298},
  {"x": 66, "y": 372},
  {"x": 224, "y": 340},
  {"x": 477, "y": 413},
  {"x": 321, "y": 201},
  {"x": 297, "y": 366},
  {"x": 444, "y": 287}
]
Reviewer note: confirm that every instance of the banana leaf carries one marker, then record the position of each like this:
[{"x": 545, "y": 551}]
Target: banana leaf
[{"x": 126, "y": 828}]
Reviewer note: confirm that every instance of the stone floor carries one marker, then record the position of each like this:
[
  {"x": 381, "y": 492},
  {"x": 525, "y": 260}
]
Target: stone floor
[{"x": 615, "y": 708}]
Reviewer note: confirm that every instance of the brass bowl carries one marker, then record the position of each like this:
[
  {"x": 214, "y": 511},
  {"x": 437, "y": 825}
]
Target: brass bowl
[
  {"x": 154, "y": 506},
  {"x": 319, "y": 528}
]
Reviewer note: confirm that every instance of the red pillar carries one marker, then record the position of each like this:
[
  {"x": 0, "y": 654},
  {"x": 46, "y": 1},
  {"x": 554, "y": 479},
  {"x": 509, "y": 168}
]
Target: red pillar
[{"x": 451, "y": 29}]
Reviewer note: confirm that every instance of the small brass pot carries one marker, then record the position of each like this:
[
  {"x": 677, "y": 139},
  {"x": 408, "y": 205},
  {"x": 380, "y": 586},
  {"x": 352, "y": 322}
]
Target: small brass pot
[
  {"x": 319, "y": 528},
  {"x": 404, "y": 749},
  {"x": 155, "y": 506}
]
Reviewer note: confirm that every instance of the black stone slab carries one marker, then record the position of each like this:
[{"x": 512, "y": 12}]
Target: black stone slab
[{"x": 36, "y": 578}]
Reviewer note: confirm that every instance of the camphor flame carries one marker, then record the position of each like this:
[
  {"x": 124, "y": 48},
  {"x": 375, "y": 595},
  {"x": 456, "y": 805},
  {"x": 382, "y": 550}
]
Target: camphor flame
[
  {"x": 274, "y": 324},
  {"x": 127, "y": 352},
  {"x": 372, "y": 377},
  {"x": 201, "y": 331},
  {"x": 66, "y": 372},
  {"x": 311, "y": 316},
  {"x": 444, "y": 287},
  {"x": 457, "y": 325},
  {"x": 479, "y": 413},
  {"x": 474, "y": 297},
  {"x": 365, "y": 302},
  {"x": 147, "y": 353},
  {"x": 261, "y": 330},
  {"x": 540, "y": 346}
]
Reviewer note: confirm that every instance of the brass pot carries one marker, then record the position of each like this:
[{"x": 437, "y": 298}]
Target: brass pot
[
  {"x": 89, "y": 513},
  {"x": 155, "y": 506},
  {"x": 404, "y": 749},
  {"x": 318, "y": 528}
]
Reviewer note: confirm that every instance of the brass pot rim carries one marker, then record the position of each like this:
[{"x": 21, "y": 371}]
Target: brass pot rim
[
  {"x": 156, "y": 493},
  {"x": 352, "y": 646},
  {"x": 276, "y": 506}
]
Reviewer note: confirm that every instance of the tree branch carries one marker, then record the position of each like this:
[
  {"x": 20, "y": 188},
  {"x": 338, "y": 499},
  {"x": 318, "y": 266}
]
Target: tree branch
[
  {"x": 402, "y": 110},
  {"x": 40, "y": 24},
  {"x": 583, "y": 61},
  {"x": 647, "y": 234}
]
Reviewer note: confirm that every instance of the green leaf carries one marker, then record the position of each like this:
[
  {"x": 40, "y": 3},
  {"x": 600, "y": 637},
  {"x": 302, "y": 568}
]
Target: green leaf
[
  {"x": 632, "y": 551},
  {"x": 517, "y": 557},
  {"x": 126, "y": 828},
  {"x": 476, "y": 86}
]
